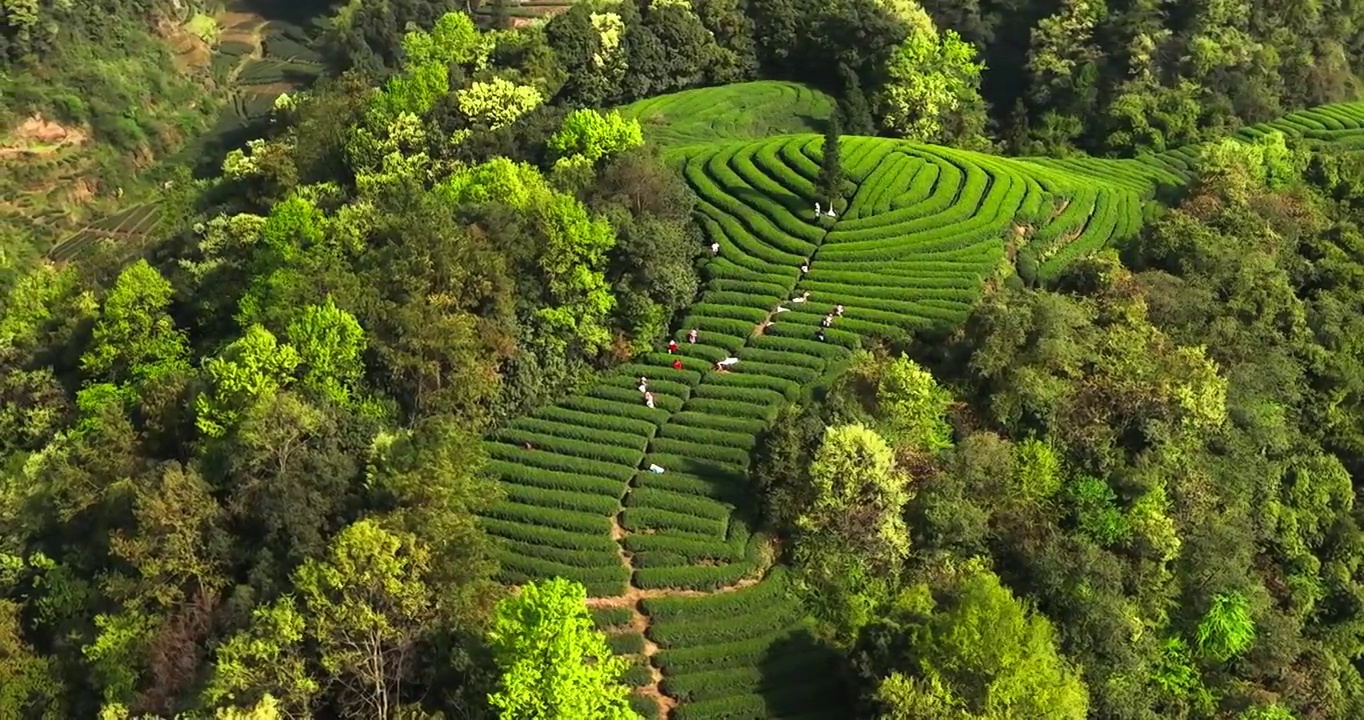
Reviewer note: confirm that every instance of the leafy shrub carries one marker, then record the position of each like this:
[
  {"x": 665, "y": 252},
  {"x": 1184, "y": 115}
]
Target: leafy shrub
[
  {"x": 563, "y": 556},
  {"x": 629, "y": 643},
  {"x": 517, "y": 570},
  {"x": 548, "y": 536},
  {"x": 765, "y": 620},
  {"x": 562, "y": 499},
  {"x": 631, "y": 409},
  {"x": 744, "y": 426},
  {"x": 549, "y": 517},
  {"x": 640, "y": 519},
  {"x": 690, "y": 550},
  {"x": 701, "y": 658},
  {"x": 578, "y": 448},
  {"x": 605, "y": 617},
  {"x": 715, "y": 453},
  {"x": 624, "y": 395},
  {"x": 729, "y": 408},
  {"x": 742, "y": 441},
  {"x": 579, "y": 432},
  {"x": 693, "y": 505},
  {"x": 713, "y": 488},
  {"x": 772, "y": 591},
  {"x": 598, "y": 421}
]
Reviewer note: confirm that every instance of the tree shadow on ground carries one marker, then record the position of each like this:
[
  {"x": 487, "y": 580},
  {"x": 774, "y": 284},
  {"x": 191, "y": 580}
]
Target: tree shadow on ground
[
  {"x": 298, "y": 12},
  {"x": 803, "y": 678},
  {"x": 815, "y": 123}
]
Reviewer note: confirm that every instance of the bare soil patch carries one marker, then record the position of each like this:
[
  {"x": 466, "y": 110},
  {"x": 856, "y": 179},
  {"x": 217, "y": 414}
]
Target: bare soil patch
[
  {"x": 189, "y": 51},
  {"x": 37, "y": 135}
]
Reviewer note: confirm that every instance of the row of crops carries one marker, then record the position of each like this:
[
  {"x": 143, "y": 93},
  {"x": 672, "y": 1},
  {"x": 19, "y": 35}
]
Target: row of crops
[
  {"x": 130, "y": 225},
  {"x": 286, "y": 59},
  {"x": 1339, "y": 125},
  {"x": 750, "y": 110}
]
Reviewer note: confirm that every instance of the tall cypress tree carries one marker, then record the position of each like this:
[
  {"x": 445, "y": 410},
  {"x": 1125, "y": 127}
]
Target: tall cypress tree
[
  {"x": 856, "y": 110},
  {"x": 831, "y": 167}
]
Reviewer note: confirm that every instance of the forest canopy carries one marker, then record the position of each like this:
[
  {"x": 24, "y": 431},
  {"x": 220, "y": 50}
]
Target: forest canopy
[{"x": 260, "y": 468}]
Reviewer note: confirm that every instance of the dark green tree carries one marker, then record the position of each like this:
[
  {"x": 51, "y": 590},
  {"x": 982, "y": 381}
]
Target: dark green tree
[
  {"x": 854, "y": 106},
  {"x": 830, "y": 185}
]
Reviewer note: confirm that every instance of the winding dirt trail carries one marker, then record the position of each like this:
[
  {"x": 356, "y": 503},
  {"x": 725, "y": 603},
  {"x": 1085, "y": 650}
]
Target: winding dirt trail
[
  {"x": 640, "y": 621},
  {"x": 635, "y": 596}
]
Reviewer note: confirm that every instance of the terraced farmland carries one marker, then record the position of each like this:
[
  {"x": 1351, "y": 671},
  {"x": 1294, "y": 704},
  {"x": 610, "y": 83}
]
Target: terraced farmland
[
  {"x": 269, "y": 58},
  {"x": 675, "y": 571},
  {"x": 521, "y": 11},
  {"x": 135, "y": 224},
  {"x": 670, "y": 557},
  {"x": 743, "y": 111}
]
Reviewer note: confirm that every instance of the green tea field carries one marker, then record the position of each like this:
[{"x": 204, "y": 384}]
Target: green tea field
[{"x": 676, "y": 572}]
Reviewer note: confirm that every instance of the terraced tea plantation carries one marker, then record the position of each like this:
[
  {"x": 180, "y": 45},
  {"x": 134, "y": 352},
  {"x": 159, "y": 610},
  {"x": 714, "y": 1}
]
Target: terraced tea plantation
[
  {"x": 924, "y": 229},
  {"x": 135, "y": 224},
  {"x": 676, "y": 573},
  {"x": 743, "y": 111}
]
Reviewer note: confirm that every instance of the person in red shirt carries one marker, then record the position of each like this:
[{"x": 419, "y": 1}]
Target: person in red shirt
[
  {"x": 672, "y": 346},
  {"x": 677, "y": 364}
]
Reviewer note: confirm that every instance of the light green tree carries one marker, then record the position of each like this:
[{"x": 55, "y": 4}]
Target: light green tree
[
  {"x": 857, "y": 497},
  {"x": 454, "y": 40},
  {"x": 267, "y": 709},
  {"x": 264, "y": 660},
  {"x": 293, "y": 225},
  {"x": 572, "y": 249},
  {"x": 555, "y": 665},
  {"x": 928, "y": 78},
  {"x": 426, "y": 66},
  {"x": 115, "y": 656},
  {"x": 28, "y": 680},
  {"x": 1037, "y": 471},
  {"x": 432, "y": 478},
  {"x": 984, "y": 656},
  {"x": 135, "y": 337},
  {"x": 329, "y": 343},
  {"x": 368, "y": 604},
  {"x": 594, "y": 135},
  {"x": 176, "y": 549},
  {"x": 497, "y": 103},
  {"x": 1227, "y": 629},
  {"x": 42, "y": 299},
  {"x": 852, "y": 532},
  {"x": 913, "y": 407},
  {"x": 1237, "y": 168},
  {"x": 249, "y": 370},
  {"x": 1267, "y": 712}
]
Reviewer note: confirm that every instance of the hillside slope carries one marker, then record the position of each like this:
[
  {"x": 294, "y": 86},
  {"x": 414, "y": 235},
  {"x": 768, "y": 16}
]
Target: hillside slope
[
  {"x": 677, "y": 572},
  {"x": 78, "y": 157}
]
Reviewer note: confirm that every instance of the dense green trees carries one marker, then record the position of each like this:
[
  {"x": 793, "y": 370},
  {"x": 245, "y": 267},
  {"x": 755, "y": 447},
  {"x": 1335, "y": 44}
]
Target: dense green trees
[
  {"x": 240, "y": 476},
  {"x": 980, "y": 654}
]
